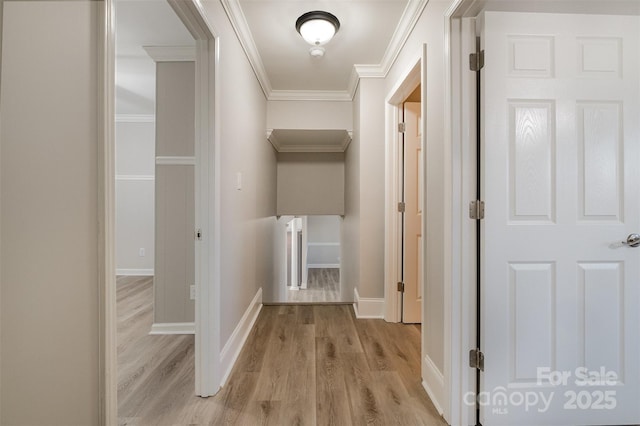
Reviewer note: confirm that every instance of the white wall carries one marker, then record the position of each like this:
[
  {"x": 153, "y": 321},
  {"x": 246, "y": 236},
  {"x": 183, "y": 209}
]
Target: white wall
[
  {"x": 323, "y": 241},
  {"x": 135, "y": 182},
  {"x": 247, "y": 215},
  {"x": 323, "y": 229},
  {"x": 309, "y": 115},
  {"x": 49, "y": 144},
  {"x": 135, "y": 84}
]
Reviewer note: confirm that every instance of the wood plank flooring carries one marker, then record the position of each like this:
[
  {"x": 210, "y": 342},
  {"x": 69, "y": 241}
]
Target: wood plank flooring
[
  {"x": 301, "y": 365},
  {"x": 323, "y": 285}
]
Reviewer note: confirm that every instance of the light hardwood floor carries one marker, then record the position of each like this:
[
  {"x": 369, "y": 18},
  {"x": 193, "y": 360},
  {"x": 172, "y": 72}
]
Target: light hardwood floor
[
  {"x": 323, "y": 285},
  {"x": 301, "y": 365}
]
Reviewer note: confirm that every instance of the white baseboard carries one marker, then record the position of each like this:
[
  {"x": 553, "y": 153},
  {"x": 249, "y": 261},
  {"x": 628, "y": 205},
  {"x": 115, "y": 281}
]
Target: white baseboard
[
  {"x": 433, "y": 383},
  {"x": 323, "y": 266},
  {"x": 173, "y": 328},
  {"x": 135, "y": 272},
  {"x": 368, "y": 307},
  {"x": 231, "y": 350}
]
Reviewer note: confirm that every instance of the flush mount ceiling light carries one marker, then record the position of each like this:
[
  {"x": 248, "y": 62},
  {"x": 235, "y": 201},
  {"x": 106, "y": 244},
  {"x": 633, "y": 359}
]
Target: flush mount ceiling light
[{"x": 317, "y": 28}]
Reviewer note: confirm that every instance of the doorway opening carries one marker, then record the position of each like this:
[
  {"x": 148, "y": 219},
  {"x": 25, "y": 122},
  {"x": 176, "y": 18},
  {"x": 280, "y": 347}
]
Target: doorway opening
[
  {"x": 155, "y": 200},
  {"x": 404, "y": 271},
  {"x": 313, "y": 259},
  {"x": 196, "y": 167},
  {"x": 412, "y": 175}
]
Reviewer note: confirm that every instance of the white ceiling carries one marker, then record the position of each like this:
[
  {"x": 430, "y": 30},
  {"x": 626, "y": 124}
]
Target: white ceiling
[
  {"x": 142, "y": 23},
  {"x": 147, "y": 23},
  {"x": 366, "y": 28}
]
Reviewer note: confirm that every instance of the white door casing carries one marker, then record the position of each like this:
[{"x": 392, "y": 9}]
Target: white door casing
[
  {"x": 560, "y": 294},
  {"x": 413, "y": 196}
]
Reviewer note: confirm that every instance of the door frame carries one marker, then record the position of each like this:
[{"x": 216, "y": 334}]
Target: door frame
[
  {"x": 207, "y": 211},
  {"x": 460, "y": 127},
  {"x": 405, "y": 85}
]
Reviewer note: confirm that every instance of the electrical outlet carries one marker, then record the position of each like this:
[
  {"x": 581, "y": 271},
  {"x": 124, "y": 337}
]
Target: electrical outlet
[
  {"x": 192, "y": 292},
  {"x": 142, "y": 252}
]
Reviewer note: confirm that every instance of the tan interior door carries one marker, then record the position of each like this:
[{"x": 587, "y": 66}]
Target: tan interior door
[{"x": 412, "y": 297}]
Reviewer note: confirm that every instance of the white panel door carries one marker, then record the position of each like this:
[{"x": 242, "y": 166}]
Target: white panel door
[
  {"x": 412, "y": 262},
  {"x": 560, "y": 328}
]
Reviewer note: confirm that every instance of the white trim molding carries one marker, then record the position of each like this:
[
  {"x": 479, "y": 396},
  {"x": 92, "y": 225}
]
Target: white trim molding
[
  {"x": 135, "y": 118},
  {"x": 324, "y": 266},
  {"x": 135, "y": 177},
  {"x": 135, "y": 272},
  {"x": 241, "y": 28},
  {"x": 334, "y": 147},
  {"x": 231, "y": 350},
  {"x": 176, "y": 161},
  {"x": 367, "y": 307},
  {"x": 171, "y": 53},
  {"x": 173, "y": 328},
  {"x": 431, "y": 374}
]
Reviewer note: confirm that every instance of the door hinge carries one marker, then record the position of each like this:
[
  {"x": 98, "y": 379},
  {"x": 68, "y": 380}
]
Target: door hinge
[
  {"x": 401, "y": 287},
  {"x": 476, "y": 61},
  {"x": 198, "y": 234},
  {"x": 401, "y": 207},
  {"x": 476, "y": 210},
  {"x": 476, "y": 359},
  {"x": 401, "y": 127}
]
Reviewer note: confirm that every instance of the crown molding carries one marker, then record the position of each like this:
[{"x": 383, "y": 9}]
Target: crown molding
[
  {"x": 347, "y": 140},
  {"x": 171, "y": 53},
  {"x": 370, "y": 71},
  {"x": 407, "y": 23},
  {"x": 310, "y": 95},
  {"x": 271, "y": 137},
  {"x": 239, "y": 23}
]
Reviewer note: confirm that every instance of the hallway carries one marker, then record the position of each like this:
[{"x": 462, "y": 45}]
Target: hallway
[{"x": 303, "y": 365}]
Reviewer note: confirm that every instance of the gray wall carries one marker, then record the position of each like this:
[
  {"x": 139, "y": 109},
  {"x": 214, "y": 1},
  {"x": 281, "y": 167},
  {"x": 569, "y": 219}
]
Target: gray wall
[
  {"x": 49, "y": 142},
  {"x": 175, "y": 196},
  {"x": 430, "y": 30},
  {"x": 350, "y": 258},
  {"x": 247, "y": 215},
  {"x": 310, "y": 183},
  {"x": 309, "y": 115},
  {"x": 363, "y": 227}
]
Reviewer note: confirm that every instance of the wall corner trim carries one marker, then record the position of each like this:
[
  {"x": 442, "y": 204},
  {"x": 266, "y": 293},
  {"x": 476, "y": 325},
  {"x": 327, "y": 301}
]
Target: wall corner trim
[
  {"x": 231, "y": 350},
  {"x": 368, "y": 307},
  {"x": 433, "y": 382},
  {"x": 173, "y": 328}
]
